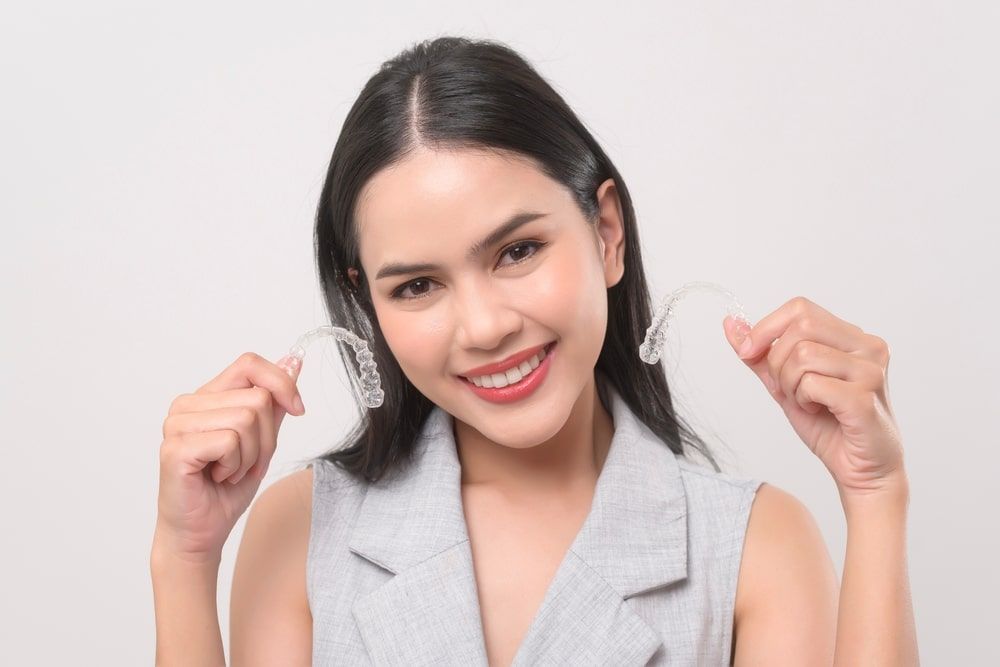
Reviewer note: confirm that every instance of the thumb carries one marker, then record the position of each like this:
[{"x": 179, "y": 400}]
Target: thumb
[
  {"x": 293, "y": 367},
  {"x": 737, "y": 333}
]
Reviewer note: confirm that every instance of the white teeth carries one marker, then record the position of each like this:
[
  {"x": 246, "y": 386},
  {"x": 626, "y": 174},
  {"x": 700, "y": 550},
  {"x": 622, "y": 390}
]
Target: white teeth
[{"x": 510, "y": 376}]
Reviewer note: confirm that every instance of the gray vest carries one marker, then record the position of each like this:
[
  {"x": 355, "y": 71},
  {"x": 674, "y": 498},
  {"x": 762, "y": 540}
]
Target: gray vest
[{"x": 649, "y": 579}]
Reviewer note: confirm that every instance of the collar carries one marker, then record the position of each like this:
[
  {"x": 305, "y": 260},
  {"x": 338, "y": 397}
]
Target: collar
[{"x": 633, "y": 540}]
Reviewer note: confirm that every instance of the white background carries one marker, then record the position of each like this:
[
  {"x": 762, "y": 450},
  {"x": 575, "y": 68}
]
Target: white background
[{"x": 161, "y": 167}]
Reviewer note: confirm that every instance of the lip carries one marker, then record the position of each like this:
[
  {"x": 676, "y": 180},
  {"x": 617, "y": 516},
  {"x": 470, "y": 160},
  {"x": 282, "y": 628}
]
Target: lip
[
  {"x": 505, "y": 364},
  {"x": 518, "y": 390}
]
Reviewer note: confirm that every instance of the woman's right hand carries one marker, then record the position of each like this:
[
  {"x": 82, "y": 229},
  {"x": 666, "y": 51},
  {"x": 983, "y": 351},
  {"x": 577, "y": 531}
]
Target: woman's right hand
[{"x": 217, "y": 446}]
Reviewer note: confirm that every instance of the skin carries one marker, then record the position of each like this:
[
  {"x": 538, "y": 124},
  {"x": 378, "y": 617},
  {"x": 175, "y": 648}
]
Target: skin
[
  {"x": 829, "y": 378},
  {"x": 479, "y": 311},
  {"x": 476, "y": 311}
]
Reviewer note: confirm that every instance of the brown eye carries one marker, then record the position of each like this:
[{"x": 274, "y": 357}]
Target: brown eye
[
  {"x": 524, "y": 244},
  {"x": 399, "y": 292}
]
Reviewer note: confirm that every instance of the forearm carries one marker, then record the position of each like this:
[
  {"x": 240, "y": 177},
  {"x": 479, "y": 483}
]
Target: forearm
[
  {"x": 187, "y": 620},
  {"x": 875, "y": 623}
]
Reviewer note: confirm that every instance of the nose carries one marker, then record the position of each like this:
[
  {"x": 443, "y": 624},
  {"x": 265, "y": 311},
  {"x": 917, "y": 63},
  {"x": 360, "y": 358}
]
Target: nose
[{"x": 483, "y": 318}]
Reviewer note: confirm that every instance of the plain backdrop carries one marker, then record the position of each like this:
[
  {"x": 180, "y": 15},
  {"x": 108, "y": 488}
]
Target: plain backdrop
[{"x": 161, "y": 167}]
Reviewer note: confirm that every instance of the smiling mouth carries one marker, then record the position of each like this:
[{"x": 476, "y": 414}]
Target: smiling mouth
[{"x": 547, "y": 349}]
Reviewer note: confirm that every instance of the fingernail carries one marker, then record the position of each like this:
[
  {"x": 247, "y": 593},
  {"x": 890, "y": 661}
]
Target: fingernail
[
  {"x": 297, "y": 402},
  {"x": 290, "y": 364},
  {"x": 743, "y": 338}
]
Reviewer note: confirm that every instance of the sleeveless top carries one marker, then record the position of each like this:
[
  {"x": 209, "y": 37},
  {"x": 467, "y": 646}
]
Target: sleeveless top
[{"x": 650, "y": 578}]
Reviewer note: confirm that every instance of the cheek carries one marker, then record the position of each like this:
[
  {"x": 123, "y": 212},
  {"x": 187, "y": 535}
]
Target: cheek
[
  {"x": 570, "y": 296},
  {"x": 415, "y": 340}
]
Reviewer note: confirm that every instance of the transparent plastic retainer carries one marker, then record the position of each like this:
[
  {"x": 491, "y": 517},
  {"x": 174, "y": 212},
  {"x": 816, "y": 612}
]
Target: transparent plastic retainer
[
  {"x": 652, "y": 347},
  {"x": 369, "y": 379}
]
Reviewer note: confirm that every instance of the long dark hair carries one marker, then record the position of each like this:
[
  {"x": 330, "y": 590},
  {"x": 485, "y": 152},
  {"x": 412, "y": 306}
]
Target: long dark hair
[{"x": 454, "y": 93}]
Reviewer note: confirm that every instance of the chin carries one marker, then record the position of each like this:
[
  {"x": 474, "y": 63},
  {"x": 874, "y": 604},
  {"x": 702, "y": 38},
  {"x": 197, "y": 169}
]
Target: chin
[{"x": 525, "y": 436}]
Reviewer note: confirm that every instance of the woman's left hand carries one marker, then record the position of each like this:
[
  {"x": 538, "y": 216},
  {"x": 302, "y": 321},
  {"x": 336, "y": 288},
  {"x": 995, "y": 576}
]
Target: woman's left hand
[{"x": 831, "y": 380}]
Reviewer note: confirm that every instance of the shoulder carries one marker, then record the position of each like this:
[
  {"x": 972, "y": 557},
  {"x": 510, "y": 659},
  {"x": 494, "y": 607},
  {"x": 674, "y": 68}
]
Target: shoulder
[
  {"x": 287, "y": 501},
  {"x": 270, "y": 620},
  {"x": 781, "y": 531},
  {"x": 787, "y": 591},
  {"x": 713, "y": 493}
]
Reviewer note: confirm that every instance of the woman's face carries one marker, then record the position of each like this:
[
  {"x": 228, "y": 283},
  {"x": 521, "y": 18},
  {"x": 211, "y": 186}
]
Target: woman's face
[{"x": 545, "y": 281}]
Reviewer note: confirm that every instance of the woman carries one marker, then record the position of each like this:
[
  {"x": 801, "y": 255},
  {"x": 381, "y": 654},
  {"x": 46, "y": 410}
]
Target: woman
[{"x": 474, "y": 231}]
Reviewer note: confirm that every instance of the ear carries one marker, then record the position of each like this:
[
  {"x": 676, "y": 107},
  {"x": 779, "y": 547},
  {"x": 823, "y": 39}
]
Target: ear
[
  {"x": 611, "y": 232},
  {"x": 352, "y": 274}
]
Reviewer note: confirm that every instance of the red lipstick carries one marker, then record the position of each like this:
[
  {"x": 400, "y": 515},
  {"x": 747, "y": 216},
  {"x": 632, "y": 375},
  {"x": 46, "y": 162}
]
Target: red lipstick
[
  {"x": 504, "y": 364},
  {"x": 521, "y": 389}
]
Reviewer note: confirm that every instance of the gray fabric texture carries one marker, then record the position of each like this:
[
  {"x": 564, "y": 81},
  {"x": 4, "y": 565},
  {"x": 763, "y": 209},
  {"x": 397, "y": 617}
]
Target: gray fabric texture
[{"x": 650, "y": 578}]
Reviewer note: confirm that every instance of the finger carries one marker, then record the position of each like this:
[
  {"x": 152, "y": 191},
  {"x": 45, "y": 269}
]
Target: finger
[
  {"x": 855, "y": 409},
  {"x": 876, "y": 350},
  {"x": 292, "y": 366},
  {"x": 774, "y": 326},
  {"x": 736, "y": 331},
  {"x": 811, "y": 357},
  {"x": 191, "y": 453},
  {"x": 241, "y": 419},
  {"x": 252, "y": 370},
  {"x": 815, "y": 328},
  {"x": 262, "y": 403},
  {"x": 257, "y": 398}
]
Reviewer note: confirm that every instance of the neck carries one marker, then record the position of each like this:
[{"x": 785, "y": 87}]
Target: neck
[{"x": 573, "y": 457}]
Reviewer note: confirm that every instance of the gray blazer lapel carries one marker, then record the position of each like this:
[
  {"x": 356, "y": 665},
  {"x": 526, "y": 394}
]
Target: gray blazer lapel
[
  {"x": 426, "y": 614},
  {"x": 414, "y": 526},
  {"x": 633, "y": 540}
]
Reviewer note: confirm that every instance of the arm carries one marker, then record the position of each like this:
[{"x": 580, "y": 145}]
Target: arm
[
  {"x": 187, "y": 623},
  {"x": 787, "y": 608},
  {"x": 270, "y": 622},
  {"x": 875, "y": 623},
  {"x": 831, "y": 379},
  {"x": 786, "y": 598}
]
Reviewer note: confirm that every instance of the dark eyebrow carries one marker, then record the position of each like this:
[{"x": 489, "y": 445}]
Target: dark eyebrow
[{"x": 494, "y": 237}]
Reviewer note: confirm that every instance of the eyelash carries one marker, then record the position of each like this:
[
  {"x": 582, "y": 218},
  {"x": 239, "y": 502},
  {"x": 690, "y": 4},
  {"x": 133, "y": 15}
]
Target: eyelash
[{"x": 396, "y": 293}]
